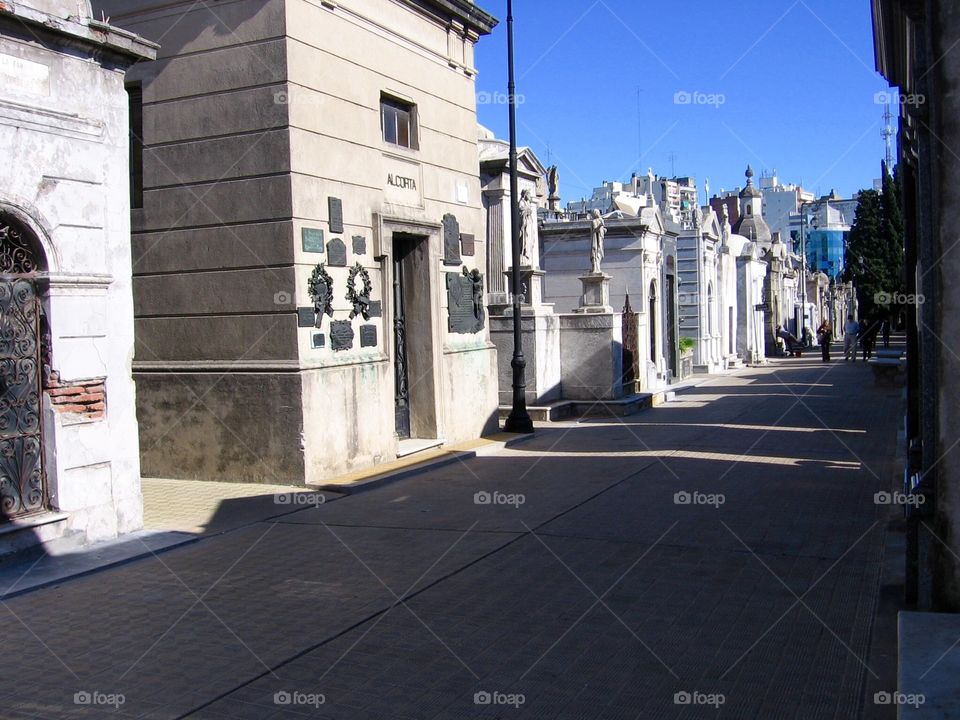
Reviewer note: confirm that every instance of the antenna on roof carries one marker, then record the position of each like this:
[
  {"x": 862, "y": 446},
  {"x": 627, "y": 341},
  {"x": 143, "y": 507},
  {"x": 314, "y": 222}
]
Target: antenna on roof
[{"x": 888, "y": 134}]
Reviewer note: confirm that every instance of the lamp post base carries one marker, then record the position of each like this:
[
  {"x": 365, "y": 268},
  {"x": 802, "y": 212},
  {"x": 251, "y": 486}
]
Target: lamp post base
[{"x": 519, "y": 423}]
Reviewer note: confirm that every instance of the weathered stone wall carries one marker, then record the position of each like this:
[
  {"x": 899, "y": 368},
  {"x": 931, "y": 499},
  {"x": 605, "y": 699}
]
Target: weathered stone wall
[
  {"x": 945, "y": 27},
  {"x": 86, "y": 398},
  {"x": 64, "y": 125}
]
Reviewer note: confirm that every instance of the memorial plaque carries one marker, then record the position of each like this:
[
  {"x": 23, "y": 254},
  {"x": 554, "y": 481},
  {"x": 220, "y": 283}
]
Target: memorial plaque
[
  {"x": 467, "y": 245},
  {"x": 341, "y": 335},
  {"x": 317, "y": 341},
  {"x": 465, "y": 302},
  {"x": 306, "y": 316},
  {"x": 368, "y": 336},
  {"x": 451, "y": 240},
  {"x": 335, "y": 209},
  {"x": 359, "y": 245},
  {"x": 312, "y": 239},
  {"x": 376, "y": 309},
  {"x": 336, "y": 253}
]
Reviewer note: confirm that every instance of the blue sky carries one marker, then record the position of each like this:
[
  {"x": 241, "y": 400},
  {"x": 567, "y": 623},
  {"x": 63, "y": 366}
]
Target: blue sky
[{"x": 783, "y": 84}]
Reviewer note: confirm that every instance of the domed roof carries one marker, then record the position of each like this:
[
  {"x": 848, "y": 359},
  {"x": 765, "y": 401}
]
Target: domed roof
[
  {"x": 755, "y": 228},
  {"x": 750, "y": 190}
]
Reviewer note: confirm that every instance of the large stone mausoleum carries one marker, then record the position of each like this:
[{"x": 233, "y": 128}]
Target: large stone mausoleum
[{"x": 309, "y": 263}]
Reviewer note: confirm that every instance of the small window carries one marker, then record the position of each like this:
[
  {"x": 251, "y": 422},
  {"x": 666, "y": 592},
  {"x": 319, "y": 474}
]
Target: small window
[
  {"x": 135, "y": 98},
  {"x": 398, "y": 120}
]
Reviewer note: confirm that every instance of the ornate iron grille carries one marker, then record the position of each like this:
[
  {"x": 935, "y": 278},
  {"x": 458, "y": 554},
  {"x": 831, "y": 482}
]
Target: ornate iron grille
[
  {"x": 22, "y": 486},
  {"x": 16, "y": 255},
  {"x": 402, "y": 400}
]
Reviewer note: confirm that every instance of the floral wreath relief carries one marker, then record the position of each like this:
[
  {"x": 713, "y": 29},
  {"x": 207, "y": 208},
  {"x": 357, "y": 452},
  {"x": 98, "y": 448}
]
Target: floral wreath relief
[
  {"x": 320, "y": 287},
  {"x": 360, "y": 299}
]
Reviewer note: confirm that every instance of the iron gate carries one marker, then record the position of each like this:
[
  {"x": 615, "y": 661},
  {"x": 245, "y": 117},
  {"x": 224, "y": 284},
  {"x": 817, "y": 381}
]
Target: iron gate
[
  {"x": 402, "y": 399},
  {"x": 22, "y": 483}
]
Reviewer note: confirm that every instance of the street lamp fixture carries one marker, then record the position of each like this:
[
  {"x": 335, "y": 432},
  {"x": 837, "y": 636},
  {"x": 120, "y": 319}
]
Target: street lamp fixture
[{"x": 519, "y": 419}]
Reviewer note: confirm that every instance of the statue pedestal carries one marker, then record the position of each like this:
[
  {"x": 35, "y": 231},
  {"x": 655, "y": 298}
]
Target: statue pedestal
[
  {"x": 596, "y": 293},
  {"x": 530, "y": 290},
  {"x": 540, "y": 338}
]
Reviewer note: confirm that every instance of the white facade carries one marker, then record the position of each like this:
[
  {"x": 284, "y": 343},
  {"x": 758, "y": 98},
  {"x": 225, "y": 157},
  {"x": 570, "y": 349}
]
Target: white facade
[
  {"x": 781, "y": 205},
  {"x": 703, "y": 312},
  {"x": 638, "y": 250},
  {"x": 751, "y": 272},
  {"x": 65, "y": 203}
]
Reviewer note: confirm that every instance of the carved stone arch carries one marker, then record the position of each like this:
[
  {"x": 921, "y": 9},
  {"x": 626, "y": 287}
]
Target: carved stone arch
[
  {"x": 21, "y": 252},
  {"x": 31, "y": 223}
]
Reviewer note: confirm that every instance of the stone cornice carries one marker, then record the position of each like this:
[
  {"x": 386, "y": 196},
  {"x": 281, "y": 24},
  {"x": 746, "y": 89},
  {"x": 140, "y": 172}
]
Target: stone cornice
[
  {"x": 97, "y": 38},
  {"x": 472, "y": 17}
]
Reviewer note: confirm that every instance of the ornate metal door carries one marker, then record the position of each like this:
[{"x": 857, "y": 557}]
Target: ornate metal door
[
  {"x": 631, "y": 347},
  {"x": 402, "y": 399},
  {"x": 670, "y": 321},
  {"x": 22, "y": 483}
]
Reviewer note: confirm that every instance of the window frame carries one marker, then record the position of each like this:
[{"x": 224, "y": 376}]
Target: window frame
[{"x": 399, "y": 107}]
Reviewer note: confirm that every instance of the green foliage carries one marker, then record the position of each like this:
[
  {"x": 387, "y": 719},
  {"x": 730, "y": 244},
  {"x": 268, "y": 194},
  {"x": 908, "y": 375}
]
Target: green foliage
[
  {"x": 686, "y": 344},
  {"x": 874, "y": 253}
]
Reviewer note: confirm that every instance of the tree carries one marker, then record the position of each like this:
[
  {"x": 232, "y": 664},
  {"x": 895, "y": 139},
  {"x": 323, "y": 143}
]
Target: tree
[{"x": 874, "y": 252}]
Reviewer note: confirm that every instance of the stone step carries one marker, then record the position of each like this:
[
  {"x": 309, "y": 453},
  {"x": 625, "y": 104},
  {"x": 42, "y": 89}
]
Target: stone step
[
  {"x": 25, "y": 535},
  {"x": 568, "y": 409}
]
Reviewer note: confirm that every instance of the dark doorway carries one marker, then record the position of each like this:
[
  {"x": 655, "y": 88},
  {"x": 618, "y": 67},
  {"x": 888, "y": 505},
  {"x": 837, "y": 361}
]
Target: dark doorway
[
  {"x": 652, "y": 322},
  {"x": 731, "y": 349},
  {"x": 414, "y": 364},
  {"x": 670, "y": 318},
  {"x": 400, "y": 367}
]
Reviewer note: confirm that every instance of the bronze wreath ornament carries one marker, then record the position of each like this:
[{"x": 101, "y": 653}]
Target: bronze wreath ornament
[
  {"x": 320, "y": 288},
  {"x": 360, "y": 299}
]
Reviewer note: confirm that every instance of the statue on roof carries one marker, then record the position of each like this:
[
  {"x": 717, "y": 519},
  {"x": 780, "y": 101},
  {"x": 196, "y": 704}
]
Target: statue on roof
[{"x": 553, "y": 182}]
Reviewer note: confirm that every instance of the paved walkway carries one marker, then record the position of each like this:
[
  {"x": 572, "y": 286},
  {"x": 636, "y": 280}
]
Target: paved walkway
[{"x": 717, "y": 556}]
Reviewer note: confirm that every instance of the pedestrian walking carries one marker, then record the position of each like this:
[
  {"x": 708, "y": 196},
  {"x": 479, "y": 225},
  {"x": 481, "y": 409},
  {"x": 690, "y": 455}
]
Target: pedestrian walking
[
  {"x": 825, "y": 337},
  {"x": 850, "y": 332},
  {"x": 886, "y": 332},
  {"x": 868, "y": 340}
]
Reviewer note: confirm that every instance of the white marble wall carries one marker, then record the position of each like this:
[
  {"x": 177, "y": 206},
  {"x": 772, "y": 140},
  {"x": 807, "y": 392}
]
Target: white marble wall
[{"x": 64, "y": 123}]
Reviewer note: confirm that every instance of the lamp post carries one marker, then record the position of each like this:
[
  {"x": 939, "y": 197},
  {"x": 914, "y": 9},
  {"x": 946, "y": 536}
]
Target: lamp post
[
  {"x": 519, "y": 419},
  {"x": 803, "y": 266}
]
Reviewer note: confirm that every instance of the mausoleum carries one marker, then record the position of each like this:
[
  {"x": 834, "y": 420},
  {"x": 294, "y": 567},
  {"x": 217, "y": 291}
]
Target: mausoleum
[
  {"x": 69, "y": 462},
  {"x": 309, "y": 257}
]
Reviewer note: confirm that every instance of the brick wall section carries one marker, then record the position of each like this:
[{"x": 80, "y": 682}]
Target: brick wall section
[{"x": 82, "y": 397}]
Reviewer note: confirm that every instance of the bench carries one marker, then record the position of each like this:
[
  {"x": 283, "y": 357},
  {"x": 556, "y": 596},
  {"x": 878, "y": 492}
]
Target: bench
[
  {"x": 889, "y": 353},
  {"x": 886, "y": 368}
]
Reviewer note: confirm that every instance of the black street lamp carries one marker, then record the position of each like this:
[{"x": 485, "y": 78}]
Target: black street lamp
[
  {"x": 519, "y": 419},
  {"x": 803, "y": 264}
]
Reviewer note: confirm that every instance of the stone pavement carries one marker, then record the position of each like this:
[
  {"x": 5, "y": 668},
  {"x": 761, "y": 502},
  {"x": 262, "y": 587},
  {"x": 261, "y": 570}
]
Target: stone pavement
[{"x": 717, "y": 556}]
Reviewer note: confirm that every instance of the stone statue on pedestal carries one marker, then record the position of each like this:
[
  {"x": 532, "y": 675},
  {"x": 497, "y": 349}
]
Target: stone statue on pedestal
[
  {"x": 528, "y": 227},
  {"x": 553, "y": 185},
  {"x": 598, "y": 232}
]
